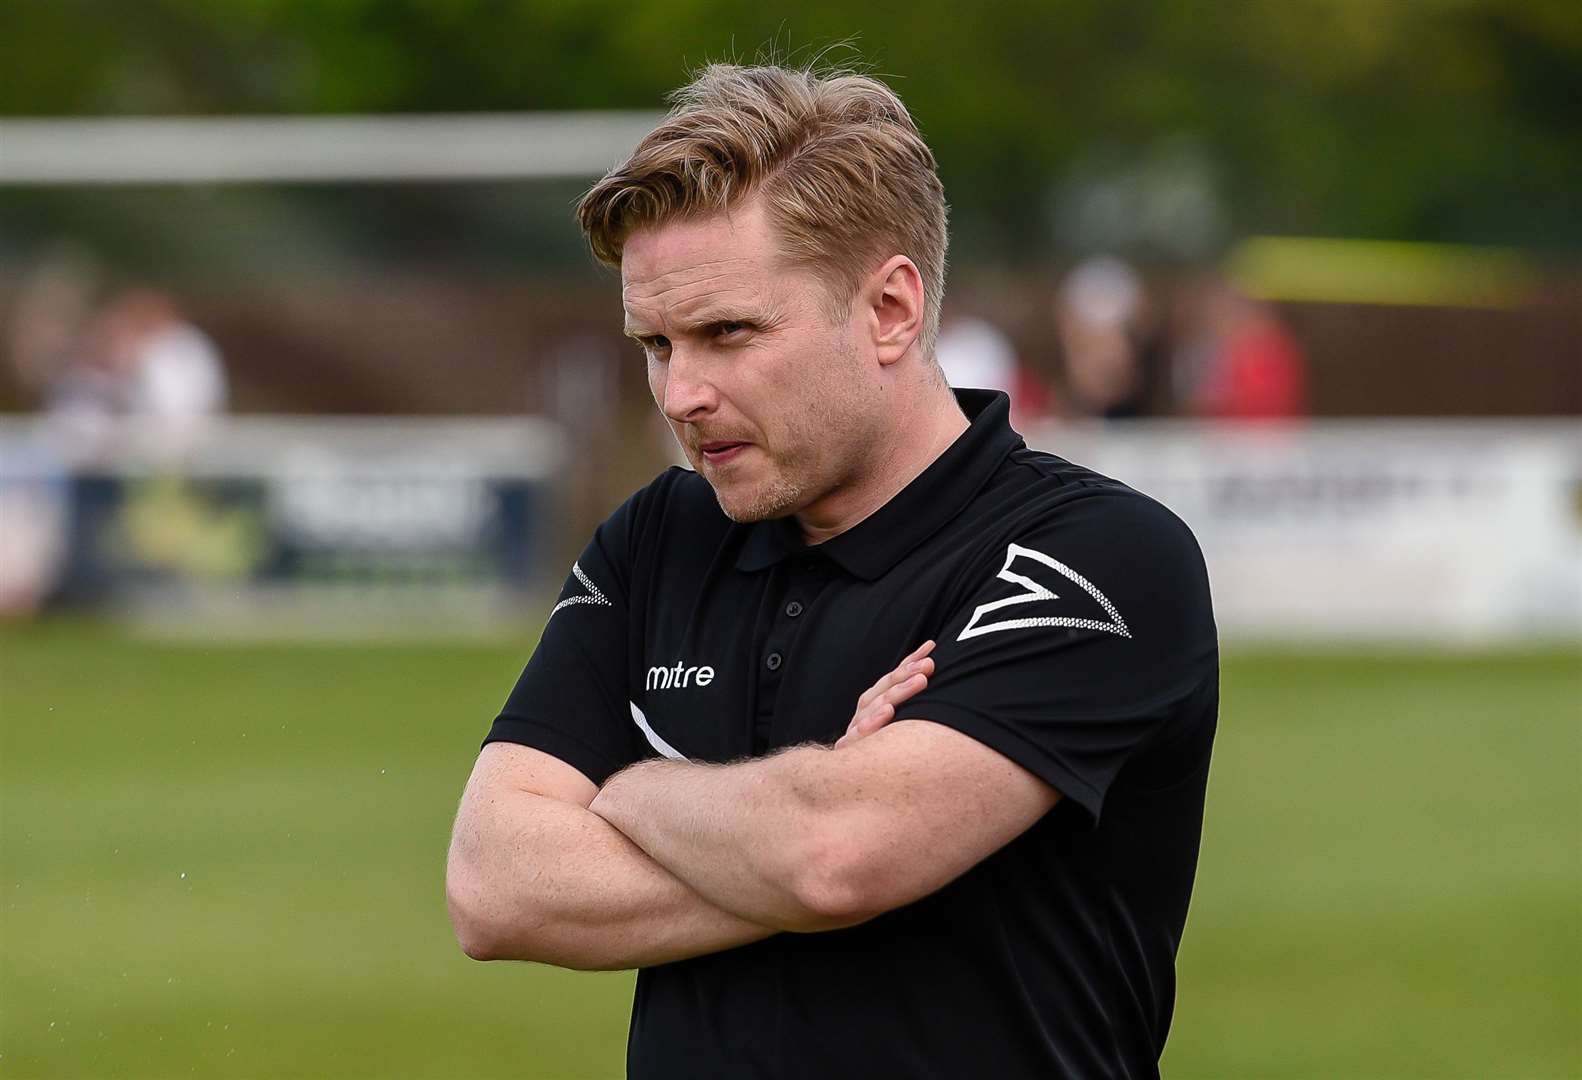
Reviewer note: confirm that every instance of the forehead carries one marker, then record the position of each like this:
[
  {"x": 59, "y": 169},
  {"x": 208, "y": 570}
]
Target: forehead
[{"x": 728, "y": 257}]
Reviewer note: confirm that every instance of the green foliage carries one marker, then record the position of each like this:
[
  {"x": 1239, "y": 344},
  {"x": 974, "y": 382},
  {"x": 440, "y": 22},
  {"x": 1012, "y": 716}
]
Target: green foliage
[
  {"x": 1427, "y": 120},
  {"x": 226, "y": 861}
]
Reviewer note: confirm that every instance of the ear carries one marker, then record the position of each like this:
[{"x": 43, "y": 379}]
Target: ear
[{"x": 894, "y": 299}]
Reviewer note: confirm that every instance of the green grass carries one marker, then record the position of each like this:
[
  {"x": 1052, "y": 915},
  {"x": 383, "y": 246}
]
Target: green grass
[
  {"x": 1391, "y": 878},
  {"x": 225, "y": 861}
]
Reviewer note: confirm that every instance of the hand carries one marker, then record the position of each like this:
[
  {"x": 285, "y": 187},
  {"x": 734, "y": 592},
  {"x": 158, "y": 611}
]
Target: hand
[{"x": 876, "y": 707}]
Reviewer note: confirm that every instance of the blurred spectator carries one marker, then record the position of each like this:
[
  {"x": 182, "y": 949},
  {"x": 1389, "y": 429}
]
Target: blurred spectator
[
  {"x": 139, "y": 360},
  {"x": 175, "y": 379},
  {"x": 975, "y": 353},
  {"x": 44, "y": 331},
  {"x": 1242, "y": 363},
  {"x": 142, "y": 373},
  {"x": 1100, "y": 319},
  {"x": 49, "y": 318}
]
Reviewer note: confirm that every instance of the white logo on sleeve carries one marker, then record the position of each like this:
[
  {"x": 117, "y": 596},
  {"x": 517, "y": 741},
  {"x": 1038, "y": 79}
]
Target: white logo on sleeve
[
  {"x": 593, "y": 596},
  {"x": 1037, "y": 593}
]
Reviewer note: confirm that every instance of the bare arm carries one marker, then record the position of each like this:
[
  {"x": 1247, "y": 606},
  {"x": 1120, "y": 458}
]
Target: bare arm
[
  {"x": 534, "y": 875},
  {"x": 814, "y": 838}
]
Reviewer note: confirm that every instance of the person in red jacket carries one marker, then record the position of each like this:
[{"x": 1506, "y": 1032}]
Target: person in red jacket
[{"x": 1252, "y": 367}]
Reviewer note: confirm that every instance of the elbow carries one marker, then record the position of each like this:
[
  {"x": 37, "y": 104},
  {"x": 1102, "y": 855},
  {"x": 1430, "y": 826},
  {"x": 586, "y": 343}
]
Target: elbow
[
  {"x": 479, "y": 946},
  {"x": 477, "y": 935},
  {"x": 494, "y": 927},
  {"x": 824, "y": 869},
  {"x": 477, "y": 941},
  {"x": 477, "y": 916},
  {"x": 830, "y": 887}
]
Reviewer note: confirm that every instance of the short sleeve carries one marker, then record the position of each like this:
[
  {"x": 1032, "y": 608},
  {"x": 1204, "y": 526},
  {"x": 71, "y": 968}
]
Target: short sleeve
[
  {"x": 1081, "y": 640},
  {"x": 570, "y": 699}
]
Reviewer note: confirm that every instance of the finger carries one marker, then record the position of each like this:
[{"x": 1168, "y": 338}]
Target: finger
[
  {"x": 859, "y": 718},
  {"x": 922, "y": 665},
  {"x": 881, "y": 714},
  {"x": 903, "y": 692},
  {"x": 910, "y": 664},
  {"x": 885, "y": 682},
  {"x": 874, "y": 719},
  {"x": 865, "y": 720},
  {"x": 859, "y": 727},
  {"x": 871, "y": 693},
  {"x": 915, "y": 655},
  {"x": 883, "y": 711},
  {"x": 885, "y": 704},
  {"x": 902, "y": 671}
]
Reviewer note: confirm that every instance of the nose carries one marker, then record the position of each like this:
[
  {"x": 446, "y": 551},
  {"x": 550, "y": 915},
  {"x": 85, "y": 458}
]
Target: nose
[{"x": 686, "y": 393}]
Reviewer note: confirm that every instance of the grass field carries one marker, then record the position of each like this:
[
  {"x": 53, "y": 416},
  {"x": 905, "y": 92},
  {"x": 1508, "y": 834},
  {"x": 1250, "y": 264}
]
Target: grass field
[{"x": 225, "y": 861}]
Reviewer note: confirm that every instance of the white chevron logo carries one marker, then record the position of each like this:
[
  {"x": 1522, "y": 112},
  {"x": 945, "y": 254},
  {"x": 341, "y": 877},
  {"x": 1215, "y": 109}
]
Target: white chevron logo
[
  {"x": 593, "y": 596},
  {"x": 1035, "y": 593}
]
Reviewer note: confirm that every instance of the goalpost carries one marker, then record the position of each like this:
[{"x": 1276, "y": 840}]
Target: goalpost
[{"x": 324, "y": 149}]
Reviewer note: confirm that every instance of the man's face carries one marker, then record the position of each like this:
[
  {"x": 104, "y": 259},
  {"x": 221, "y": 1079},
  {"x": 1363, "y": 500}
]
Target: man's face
[{"x": 775, "y": 404}]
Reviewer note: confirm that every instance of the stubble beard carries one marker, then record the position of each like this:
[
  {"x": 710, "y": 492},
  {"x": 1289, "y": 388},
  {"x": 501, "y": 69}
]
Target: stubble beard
[
  {"x": 798, "y": 481},
  {"x": 778, "y": 494},
  {"x": 777, "y": 498}
]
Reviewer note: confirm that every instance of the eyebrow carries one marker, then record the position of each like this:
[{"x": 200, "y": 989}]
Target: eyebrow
[{"x": 702, "y": 320}]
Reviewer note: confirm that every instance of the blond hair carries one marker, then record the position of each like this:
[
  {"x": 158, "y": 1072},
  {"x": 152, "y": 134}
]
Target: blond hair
[{"x": 844, "y": 174}]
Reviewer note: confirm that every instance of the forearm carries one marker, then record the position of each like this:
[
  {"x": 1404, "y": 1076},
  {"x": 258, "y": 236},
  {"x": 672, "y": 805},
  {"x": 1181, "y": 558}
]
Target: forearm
[
  {"x": 749, "y": 837},
  {"x": 767, "y": 839},
  {"x": 541, "y": 879},
  {"x": 814, "y": 838}
]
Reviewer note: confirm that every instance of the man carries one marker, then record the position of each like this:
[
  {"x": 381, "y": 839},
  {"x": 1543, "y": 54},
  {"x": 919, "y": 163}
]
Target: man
[{"x": 985, "y": 870}]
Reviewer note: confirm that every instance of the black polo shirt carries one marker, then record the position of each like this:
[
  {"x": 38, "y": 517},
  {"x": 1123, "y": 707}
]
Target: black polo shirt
[{"x": 1075, "y": 637}]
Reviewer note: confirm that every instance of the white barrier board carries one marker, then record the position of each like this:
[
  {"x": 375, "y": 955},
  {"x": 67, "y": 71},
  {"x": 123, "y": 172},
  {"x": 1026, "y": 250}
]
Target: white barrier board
[
  {"x": 1354, "y": 530},
  {"x": 1430, "y": 531}
]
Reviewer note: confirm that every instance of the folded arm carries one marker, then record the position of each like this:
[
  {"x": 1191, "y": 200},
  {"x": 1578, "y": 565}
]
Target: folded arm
[
  {"x": 534, "y": 875},
  {"x": 814, "y": 838}
]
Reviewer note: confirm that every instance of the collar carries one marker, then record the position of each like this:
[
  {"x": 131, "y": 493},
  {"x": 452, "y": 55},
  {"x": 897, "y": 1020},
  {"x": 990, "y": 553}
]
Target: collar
[{"x": 871, "y": 547}]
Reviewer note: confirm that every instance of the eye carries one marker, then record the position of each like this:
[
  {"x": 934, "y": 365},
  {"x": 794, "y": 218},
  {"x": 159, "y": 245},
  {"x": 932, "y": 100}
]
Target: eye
[
  {"x": 654, "y": 343},
  {"x": 730, "y": 329}
]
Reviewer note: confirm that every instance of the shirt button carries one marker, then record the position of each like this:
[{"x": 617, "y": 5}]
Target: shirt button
[
  {"x": 774, "y": 661},
  {"x": 794, "y": 608}
]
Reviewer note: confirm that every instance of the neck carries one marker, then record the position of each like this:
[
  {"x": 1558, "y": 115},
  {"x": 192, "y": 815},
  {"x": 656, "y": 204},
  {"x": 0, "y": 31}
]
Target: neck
[{"x": 915, "y": 439}]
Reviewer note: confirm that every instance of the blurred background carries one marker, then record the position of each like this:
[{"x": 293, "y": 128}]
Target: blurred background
[{"x": 309, "y": 393}]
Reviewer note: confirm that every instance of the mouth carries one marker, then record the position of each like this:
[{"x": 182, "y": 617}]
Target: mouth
[{"x": 720, "y": 451}]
